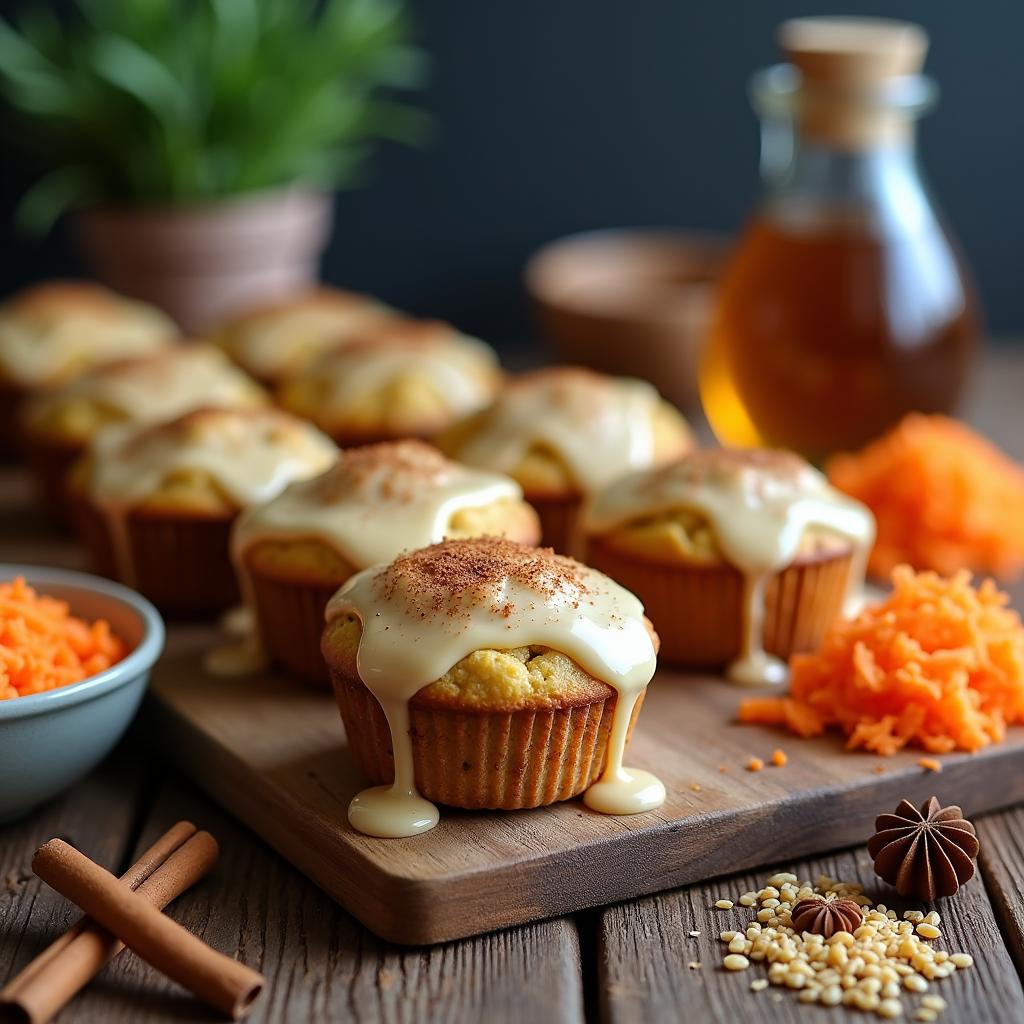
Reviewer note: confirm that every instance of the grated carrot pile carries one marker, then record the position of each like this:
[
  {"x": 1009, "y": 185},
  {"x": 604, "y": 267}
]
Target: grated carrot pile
[
  {"x": 42, "y": 646},
  {"x": 943, "y": 496},
  {"x": 939, "y": 664}
]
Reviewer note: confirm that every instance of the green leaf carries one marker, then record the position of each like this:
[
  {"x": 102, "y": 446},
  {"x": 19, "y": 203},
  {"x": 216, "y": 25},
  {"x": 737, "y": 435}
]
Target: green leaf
[
  {"x": 127, "y": 66},
  {"x": 51, "y": 196}
]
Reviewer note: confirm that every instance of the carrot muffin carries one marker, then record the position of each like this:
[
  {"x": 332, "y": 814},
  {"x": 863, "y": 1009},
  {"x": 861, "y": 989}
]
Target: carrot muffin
[
  {"x": 293, "y": 552},
  {"x": 285, "y": 337},
  {"x": 155, "y": 503},
  {"x": 57, "y": 425},
  {"x": 53, "y": 331},
  {"x": 407, "y": 378},
  {"x": 565, "y": 432},
  {"x": 488, "y": 674},
  {"x": 742, "y": 557}
]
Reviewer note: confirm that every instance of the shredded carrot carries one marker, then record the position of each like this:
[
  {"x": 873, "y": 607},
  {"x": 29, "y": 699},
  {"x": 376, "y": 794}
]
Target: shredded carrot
[
  {"x": 42, "y": 646},
  {"x": 930, "y": 764},
  {"x": 779, "y": 757},
  {"x": 754, "y": 764},
  {"x": 939, "y": 664},
  {"x": 943, "y": 496}
]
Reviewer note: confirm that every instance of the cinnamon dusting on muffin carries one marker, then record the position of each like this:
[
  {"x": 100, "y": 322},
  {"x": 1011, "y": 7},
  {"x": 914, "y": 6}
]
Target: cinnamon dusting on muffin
[{"x": 448, "y": 577}]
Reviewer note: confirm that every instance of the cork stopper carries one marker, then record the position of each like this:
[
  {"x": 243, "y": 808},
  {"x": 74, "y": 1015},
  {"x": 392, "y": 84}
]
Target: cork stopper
[{"x": 846, "y": 65}]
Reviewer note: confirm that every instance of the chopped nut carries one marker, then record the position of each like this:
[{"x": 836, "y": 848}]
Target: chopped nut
[
  {"x": 928, "y": 931},
  {"x": 962, "y": 960},
  {"x": 724, "y": 904},
  {"x": 735, "y": 962}
]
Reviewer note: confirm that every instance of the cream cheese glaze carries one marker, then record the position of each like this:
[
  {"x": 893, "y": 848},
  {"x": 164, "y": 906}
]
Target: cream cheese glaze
[
  {"x": 759, "y": 504},
  {"x": 251, "y": 455},
  {"x": 461, "y": 371},
  {"x": 285, "y": 338},
  {"x": 600, "y": 427},
  {"x": 57, "y": 328},
  {"x": 374, "y": 503},
  {"x": 158, "y": 387},
  {"x": 426, "y": 611}
]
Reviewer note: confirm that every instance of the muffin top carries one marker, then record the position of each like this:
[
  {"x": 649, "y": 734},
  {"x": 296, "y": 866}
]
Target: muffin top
[
  {"x": 52, "y": 331},
  {"x": 427, "y": 610},
  {"x": 568, "y": 428},
  {"x": 755, "y": 506},
  {"x": 284, "y": 337},
  {"x": 143, "y": 389},
  {"x": 407, "y": 376},
  {"x": 221, "y": 457},
  {"x": 381, "y": 499}
]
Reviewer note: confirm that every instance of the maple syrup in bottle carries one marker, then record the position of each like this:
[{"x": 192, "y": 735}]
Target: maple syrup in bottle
[{"x": 845, "y": 304}]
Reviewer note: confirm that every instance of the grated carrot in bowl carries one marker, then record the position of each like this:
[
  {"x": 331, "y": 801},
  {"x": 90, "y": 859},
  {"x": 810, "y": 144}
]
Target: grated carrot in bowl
[
  {"x": 939, "y": 664},
  {"x": 43, "y": 646},
  {"x": 943, "y": 497}
]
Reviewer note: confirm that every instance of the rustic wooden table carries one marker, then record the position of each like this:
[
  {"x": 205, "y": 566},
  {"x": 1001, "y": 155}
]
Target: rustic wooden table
[{"x": 635, "y": 961}]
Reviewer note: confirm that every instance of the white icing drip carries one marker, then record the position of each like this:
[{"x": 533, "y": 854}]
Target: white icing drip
[
  {"x": 37, "y": 349},
  {"x": 286, "y": 340},
  {"x": 462, "y": 371},
  {"x": 369, "y": 510},
  {"x": 252, "y": 455},
  {"x": 160, "y": 386},
  {"x": 407, "y": 643},
  {"x": 601, "y": 427},
  {"x": 759, "y": 506}
]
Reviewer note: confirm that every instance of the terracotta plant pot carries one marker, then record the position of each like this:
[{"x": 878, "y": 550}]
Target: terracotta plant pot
[{"x": 204, "y": 262}]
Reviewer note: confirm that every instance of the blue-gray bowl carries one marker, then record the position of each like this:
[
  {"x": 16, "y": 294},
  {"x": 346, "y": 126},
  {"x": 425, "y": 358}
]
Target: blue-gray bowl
[{"x": 50, "y": 740}]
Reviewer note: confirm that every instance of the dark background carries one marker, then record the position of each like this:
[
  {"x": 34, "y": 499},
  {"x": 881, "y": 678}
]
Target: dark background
[{"x": 561, "y": 115}]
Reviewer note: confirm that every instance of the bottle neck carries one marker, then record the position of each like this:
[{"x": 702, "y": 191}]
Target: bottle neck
[{"x": 879, "y": 188}]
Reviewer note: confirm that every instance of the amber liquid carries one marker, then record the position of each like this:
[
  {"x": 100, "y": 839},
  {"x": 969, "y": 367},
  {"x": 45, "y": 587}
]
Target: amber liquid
[{"x": 824, "y": 336}]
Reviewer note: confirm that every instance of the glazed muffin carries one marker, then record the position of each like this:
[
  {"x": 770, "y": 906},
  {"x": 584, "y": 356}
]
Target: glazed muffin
[
  {"x": 155, "y": 503},
  {"x": 565, "y": 432},
  {"x": 407, "y": 378},
  {"x": 57, "y": 425},
  {"x": 488, "y": 674},
  {"x": 741, "y": 557},
  {"x": 281, "y": 339},
  {"x": 51, "y": 332},
  {"x": 293, "y": 552}
]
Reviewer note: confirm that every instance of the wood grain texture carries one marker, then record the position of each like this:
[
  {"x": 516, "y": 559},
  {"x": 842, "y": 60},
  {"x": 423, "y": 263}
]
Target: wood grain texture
[
  {"x": 98, "y": 816},
  {"x": 644, "y": 953},
  {"x": 273, "y": 752},
  {"x": 1002, "y": 865},
  {"x": 320, "y": 964}
]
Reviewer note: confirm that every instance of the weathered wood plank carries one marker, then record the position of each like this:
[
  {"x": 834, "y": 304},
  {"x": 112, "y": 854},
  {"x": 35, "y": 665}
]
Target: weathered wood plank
[
  {"x": 1002, "y": 865},
  {"x": 321, "y": 965},
  {"x": 98, "y": 816},
  {"x": 645, "y": 950}
]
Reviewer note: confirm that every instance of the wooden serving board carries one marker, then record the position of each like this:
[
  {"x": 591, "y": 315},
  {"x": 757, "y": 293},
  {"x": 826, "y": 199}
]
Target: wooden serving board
[{"x": 273, "y": 752}]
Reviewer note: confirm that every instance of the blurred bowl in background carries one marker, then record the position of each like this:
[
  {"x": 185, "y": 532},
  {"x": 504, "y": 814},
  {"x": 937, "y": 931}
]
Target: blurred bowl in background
[
  {"x": 630, "y": 301},
  {"x": 50, "y": 740}
]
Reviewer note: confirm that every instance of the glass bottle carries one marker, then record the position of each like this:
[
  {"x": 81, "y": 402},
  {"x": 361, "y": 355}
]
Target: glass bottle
[{"x": 845, "y": 304}]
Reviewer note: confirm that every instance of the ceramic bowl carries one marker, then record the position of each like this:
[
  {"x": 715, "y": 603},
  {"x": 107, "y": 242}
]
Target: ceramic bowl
[
  {"x": 632, "y": 302},
  {"x": 49, "y": 740}
]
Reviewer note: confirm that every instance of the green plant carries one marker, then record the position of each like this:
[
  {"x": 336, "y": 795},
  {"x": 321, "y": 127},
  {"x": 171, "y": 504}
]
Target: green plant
[{"x": 172, "y": 101}]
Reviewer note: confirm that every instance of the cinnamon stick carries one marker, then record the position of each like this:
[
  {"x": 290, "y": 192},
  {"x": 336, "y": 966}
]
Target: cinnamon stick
[
  {"x": 175, "y": 862},
  {"x": 224, "y": 983}
]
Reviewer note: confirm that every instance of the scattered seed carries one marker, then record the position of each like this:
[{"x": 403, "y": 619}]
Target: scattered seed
[
  {"x": 754, "y": 764},
  {"x": 758, "y": 984},
  {"x": 962, "y": 960},
  {"x": 724, "y": 904},
  {"x": 928, "y": 931},
  {"x": 694, "y": 934},
  {"x": 696, "y": 787},
  {"x": 933, "y": 1002},
  {"x": 694, "y": 965},
  {"x": 930, "y": 764},
  {"x": 779, "y": 758}
]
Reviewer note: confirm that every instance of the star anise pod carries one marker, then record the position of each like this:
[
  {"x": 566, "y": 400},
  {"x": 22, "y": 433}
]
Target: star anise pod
[
  {"x": 925, "y": 853},
  {"x": 826, "y": 917}
]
